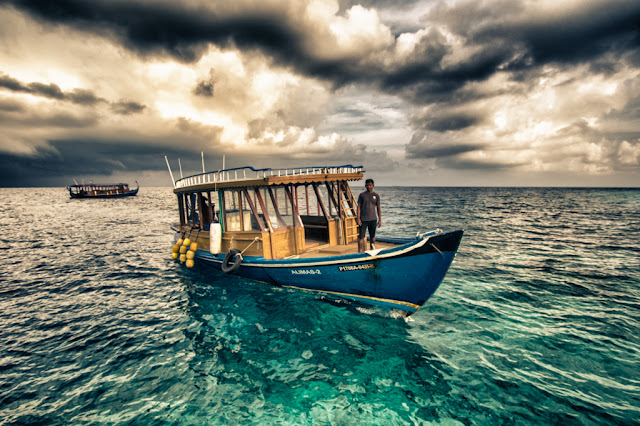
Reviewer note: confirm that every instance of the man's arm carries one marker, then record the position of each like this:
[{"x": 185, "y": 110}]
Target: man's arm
[{"x": 379, "y": 213}]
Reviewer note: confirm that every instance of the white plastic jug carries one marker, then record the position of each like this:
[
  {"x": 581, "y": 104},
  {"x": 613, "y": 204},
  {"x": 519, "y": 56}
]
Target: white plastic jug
[{"x": 215, "y": 238}]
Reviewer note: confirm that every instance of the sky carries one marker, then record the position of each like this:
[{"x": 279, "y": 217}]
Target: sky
[{"x": 418, "y": 92}]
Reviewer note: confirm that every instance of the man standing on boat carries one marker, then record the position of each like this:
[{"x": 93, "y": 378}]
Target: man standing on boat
[{"x": 368, "y": 206}]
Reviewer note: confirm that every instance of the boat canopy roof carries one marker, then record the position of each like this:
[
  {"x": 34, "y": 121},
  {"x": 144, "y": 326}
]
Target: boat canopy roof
[{"x": 242, "y": 177}]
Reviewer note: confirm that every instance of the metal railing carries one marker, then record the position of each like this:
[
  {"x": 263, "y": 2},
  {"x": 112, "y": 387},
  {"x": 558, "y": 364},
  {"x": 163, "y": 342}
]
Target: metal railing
[{"x": 244, "y": 173}]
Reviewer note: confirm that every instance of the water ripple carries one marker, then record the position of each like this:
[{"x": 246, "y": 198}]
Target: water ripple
[{"x": 536, "y": 323}]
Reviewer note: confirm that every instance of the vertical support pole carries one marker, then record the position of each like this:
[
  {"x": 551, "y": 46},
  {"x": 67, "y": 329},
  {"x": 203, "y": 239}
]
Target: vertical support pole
[
  {"x": 341, "y": 214},
  {"x": 194, "y": 205},
  {"x": 170, "y": 173},
  {"x": 252, "y": 206},
  {"x": 267, "y": 219},
  {"x": 306, "y": 193},
  {"x": 320, "y": 203},
  {"x": 210, "y": 206},
  {"x": 274, "y": 200},
  {"x": 181, "y": 208},
  {"x": 240, "y": 211},
  {"x": 223, "y": 210},
  {"x": 201, "y": 208},
  {"x": 286, "y": 205},
  {"x": 297, "y": 222}
]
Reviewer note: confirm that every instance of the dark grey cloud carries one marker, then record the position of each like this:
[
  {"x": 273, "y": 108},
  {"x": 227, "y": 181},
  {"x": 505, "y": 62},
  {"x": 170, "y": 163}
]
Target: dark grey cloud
[
  {"x": 449, "y": 154},
  {"x": 584, "y": 34},
  {"x": 22, "y": 116},
  {"x": 425, "y": 151},
  {"x": 424, "y": 146},
  {"x": 10, "y": 106},
  {"x": 445, "y": 121},
  {"x": 83, "y": 97},
  {"x": 458, "y": 163},
  {"x": 127, "y": 107},
  {"x": 52, "y": 91},
  {"x": 46, "y": 90},
  {"x": 506, "y": 39},
  {"x": 354, "y": 120},
  {"x": 595, "y": 31},
  {"x": 204, "y": 88},
  {"x": 503, "y": 35},
  {"x": 154, "y": 28},
  {"x": 200, "y": 131},
  {"x": 75, "y": 96},
  {"x": 63, "y": 161}
]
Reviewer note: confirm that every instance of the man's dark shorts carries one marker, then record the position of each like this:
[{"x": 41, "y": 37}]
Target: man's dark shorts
[{"x": 368, "y": 224}]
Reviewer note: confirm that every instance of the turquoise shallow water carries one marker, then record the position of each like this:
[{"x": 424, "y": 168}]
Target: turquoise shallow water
[{"x": 537, "y": 321}]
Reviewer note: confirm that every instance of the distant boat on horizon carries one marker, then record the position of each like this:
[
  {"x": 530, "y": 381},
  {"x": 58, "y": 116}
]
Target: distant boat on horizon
[{"x": 102, "y": 190}]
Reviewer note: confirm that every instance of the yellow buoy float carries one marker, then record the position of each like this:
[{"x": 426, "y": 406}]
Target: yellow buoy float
[{"x": 185, "y": 250}]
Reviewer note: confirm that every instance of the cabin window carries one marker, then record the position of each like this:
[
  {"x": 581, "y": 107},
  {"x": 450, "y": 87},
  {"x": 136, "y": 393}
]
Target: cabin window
[
  {"x": 198, "y": 210},
  {"x": 332, "y": 200},
  {"x": 279, "y": 207},
  {"x": 193, "y": 218},
  {"x": 315, "y": 200},
  {"x": 264, "y": 208},
  {"x": 207, "y": 209},
  {"x": 241, "y": 213},
  {"x": 233, "y": 215}
]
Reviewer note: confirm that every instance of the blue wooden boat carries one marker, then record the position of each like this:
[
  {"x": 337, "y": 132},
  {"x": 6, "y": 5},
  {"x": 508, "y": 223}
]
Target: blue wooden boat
[
  {"x": 297, "y": 228},
  {"x": 102, "y": 190}
]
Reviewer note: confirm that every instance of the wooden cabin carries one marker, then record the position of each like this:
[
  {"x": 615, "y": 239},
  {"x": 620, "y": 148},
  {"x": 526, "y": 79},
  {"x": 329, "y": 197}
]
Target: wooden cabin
[{"x": 270, "y": 213}]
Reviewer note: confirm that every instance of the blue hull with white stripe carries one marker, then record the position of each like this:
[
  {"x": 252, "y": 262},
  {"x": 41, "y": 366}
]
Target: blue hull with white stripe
[{"x": 402, "y": 277}]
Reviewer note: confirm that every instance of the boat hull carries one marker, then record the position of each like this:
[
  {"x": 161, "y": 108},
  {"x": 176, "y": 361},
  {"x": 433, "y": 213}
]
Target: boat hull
[{"x": 402, "y": 277}]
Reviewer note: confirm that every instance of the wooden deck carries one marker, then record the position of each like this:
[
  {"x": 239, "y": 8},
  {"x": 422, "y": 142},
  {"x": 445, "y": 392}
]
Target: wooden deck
[{"x": 325, "y": 250}]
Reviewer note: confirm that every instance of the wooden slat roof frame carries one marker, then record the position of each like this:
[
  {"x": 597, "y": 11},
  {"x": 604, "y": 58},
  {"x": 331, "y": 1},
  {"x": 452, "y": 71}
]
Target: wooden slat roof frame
[{"x": 271, "y": 181}]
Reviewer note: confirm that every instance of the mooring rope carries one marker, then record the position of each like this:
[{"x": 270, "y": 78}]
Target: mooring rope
[{"x": 247, "y": 247}]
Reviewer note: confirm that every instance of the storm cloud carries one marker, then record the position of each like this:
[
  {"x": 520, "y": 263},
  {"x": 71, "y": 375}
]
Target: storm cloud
[
  {"x": 529, "y": 87},
  {"x": 78, "y": 96}
]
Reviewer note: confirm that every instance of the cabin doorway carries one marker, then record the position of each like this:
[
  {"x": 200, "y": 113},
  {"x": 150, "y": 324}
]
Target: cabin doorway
[
  {"x": 316, "y": 231},
  {"x": 327, "y": 212}
]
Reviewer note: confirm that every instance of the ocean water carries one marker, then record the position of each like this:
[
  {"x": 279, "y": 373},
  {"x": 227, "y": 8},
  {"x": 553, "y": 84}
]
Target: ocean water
[{"x": 537, "y": 321}]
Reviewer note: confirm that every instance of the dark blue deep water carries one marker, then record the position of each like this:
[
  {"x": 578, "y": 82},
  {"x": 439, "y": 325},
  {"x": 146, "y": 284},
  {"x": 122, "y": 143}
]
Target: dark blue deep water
[{"x": 537, "y": 321}]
